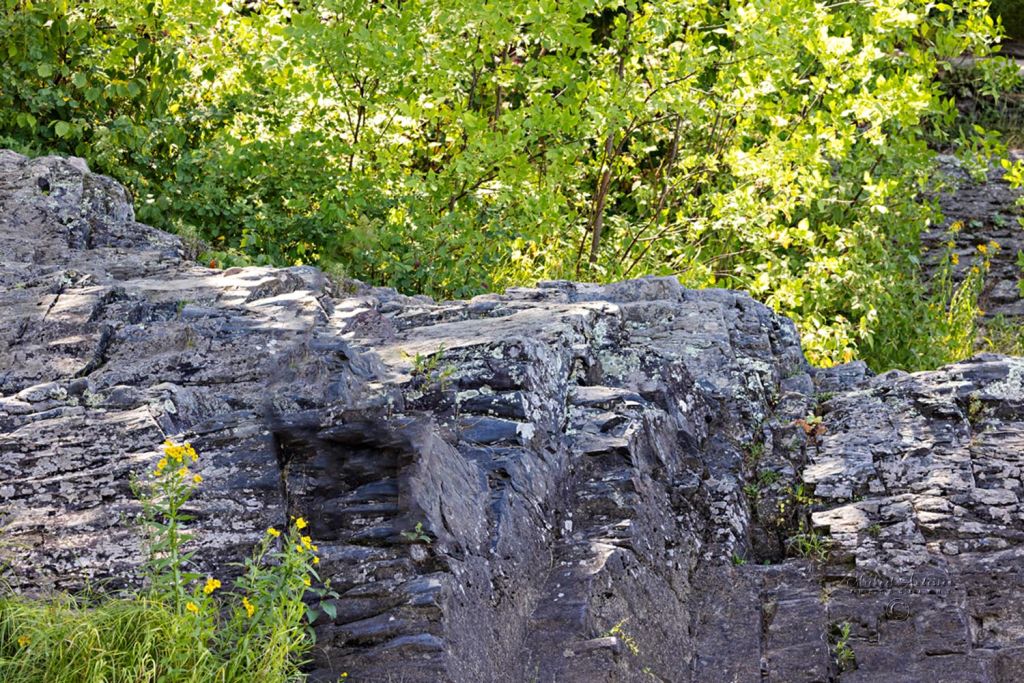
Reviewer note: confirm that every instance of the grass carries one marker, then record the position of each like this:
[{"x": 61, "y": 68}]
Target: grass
[
  {"x": 118, "y": 640},
  {"x": 178, "y": 629},
  {"x": 1003, "y": 336}
]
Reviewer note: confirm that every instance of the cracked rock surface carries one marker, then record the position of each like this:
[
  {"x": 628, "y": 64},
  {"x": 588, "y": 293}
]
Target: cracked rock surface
[{"x": 629, "y": 482}]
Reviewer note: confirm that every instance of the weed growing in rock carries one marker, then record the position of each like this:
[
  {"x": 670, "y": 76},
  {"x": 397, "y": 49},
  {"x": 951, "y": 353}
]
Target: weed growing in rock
[
  {"x": 416, "y": 534},
  {"x": 184, "y": 627},
  {"x": 839, "y": 637},
  {"x": 428, "y": 372},
  {"x": 810, "y": 543}
]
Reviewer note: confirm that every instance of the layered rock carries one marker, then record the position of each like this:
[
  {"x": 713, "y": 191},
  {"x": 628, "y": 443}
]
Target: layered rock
[
  {"x": 982, "y": 222},
  {"x": 628, "y": 482}
]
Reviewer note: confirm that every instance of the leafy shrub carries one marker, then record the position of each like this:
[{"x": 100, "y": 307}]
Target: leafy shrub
[
  {"x": 450, "y": 147},
  {"x": 180, "y": 629}
]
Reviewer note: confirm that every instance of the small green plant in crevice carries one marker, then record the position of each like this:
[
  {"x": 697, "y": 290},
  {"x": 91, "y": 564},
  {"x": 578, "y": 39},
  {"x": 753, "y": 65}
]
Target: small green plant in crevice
[
  {"x": 975, "y": 409},
  {"x": 839, "y": 638},
  {"x": 810, "y": 543},
  {"x": 752, "y": 491},
  {"x": 416, "y": 534},
  {"x": 627, "y": 639},
  {"x": 875, "y": 530},
  {"x": 738, "y": 560},
  {"x": 183, "y": 627},
  {"x": 754, "y": 452},
  {"x": 796, "y": 498},
  {"x": 825, "y": 397},
  {"x": 427, "y": 370}
]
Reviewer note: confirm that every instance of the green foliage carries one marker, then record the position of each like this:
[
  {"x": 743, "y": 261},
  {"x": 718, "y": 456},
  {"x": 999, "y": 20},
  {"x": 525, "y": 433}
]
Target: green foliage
[
  {"x": 1012, "y": 14},
  {"x": 416, "y": 534},
  {"x": 453, "y": 146},
  {"x": 179, "y": 629},
  {"x": 427, "y": 371},
  {"x": 839, "y": 638},
  {"x": 810, "y": 543}
]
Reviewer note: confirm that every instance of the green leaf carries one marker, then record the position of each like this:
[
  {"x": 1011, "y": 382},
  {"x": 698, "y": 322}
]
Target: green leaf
[
  {"x": 44, "y": 70},
  {"x": 62, "y": 128}
]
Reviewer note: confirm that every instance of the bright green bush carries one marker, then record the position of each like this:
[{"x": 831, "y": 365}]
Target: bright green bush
[
  {"x": 453, "y": 146},
  {"x": 180, "y": 629}
]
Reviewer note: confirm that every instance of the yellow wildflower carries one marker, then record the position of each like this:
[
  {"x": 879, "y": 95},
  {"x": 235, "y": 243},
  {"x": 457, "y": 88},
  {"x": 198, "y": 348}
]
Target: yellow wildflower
[
  {"x": 212, "y": 584},
  {"x": 300, "y": 524},
  {"x": 191, "y": 607},
  {"x": 273, "y": 532},
  {"x": 305, "y": 580},
  {"x": 183, "y": 472},
  {"x": 197, "y": 479},
  {"x": 955, "y": 259},
  {"x": 316, "y": 560},
  {"x": 983, "y": 248},
  {"x": 249, "y": 609},
  {"x": 994, "y": 246},
  {"x": 23, "y": 641},
  {"x": 307, "y": 542}
]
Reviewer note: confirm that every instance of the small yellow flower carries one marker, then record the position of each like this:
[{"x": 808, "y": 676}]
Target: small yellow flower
[
  {"x": 983, "y": 248},
  {"x": 300, "y": 524},
  {"x": 994, "y": 246},
  {"x": 191, "y": 607},
  {"x": 955, "y": 259},
  {"x": 316, "y": 560},
  {"x": 23, "y": 641},
  {"x": 273, "y": 532},
  {"x": 249, "y": 609},
  {"x": 212, "y": 584},
  {"x": 197, "y": 479},
  {"x": 305, "y": 580},
  {"x": 183, "y": 473}
]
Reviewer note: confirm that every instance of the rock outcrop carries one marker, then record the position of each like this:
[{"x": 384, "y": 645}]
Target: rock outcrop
[
  {"x": 629, "y": 482},
  {"x": 986, "y": 216}
]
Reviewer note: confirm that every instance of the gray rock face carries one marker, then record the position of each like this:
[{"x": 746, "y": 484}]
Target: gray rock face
[
  {"x": 988, "y": 216},
  {"x": 629, "y": 482}
]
